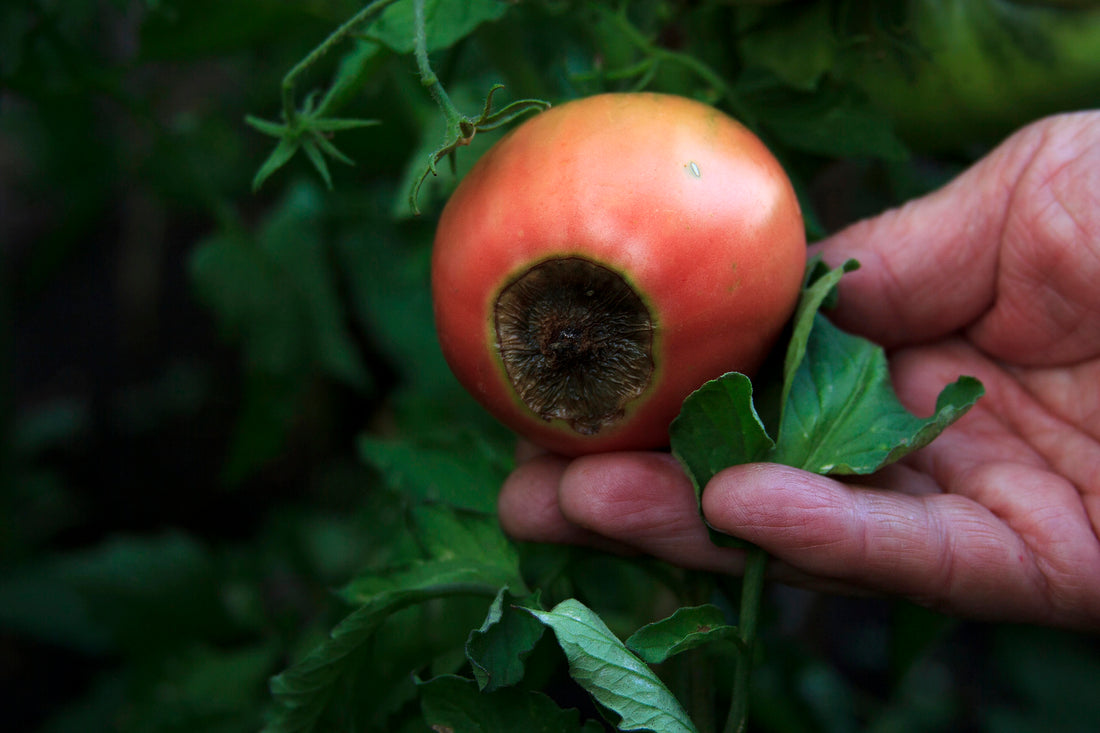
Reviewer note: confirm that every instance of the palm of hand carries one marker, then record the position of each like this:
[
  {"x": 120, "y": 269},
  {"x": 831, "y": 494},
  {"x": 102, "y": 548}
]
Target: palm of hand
[{"x": 1026, "y": 321}]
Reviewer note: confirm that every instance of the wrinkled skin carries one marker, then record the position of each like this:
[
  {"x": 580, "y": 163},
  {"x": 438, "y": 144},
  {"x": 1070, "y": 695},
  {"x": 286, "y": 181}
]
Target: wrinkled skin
[{"x": 996, "y": 275}]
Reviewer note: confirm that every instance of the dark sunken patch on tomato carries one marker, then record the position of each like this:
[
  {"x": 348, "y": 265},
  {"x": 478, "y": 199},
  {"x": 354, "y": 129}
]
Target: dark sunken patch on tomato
[{"x": 576, "y": 342}]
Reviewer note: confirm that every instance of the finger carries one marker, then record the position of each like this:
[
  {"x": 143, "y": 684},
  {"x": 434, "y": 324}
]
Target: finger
[
  {"x": 943, "y": 551},
  {"x": 643, "y": 500},
  {"x": 929, "y": 268},
  {"x": 529, "y": 510}
]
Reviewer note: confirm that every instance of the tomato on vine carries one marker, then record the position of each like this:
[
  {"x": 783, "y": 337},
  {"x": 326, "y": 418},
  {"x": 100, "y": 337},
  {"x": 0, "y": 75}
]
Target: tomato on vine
[{"x": 606, "y": 258}]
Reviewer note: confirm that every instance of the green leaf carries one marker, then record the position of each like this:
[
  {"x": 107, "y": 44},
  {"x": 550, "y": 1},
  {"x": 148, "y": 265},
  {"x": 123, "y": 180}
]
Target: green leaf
[
  {"x": 451, "y": 703},
  {"x": 212, "y": 689},
  {"x": 769, "y": 35},
  {"x": 685, "y": 629},
  {"x": 718, "y": 427},
  {"x": 356, "y": 67},
  {"x": 842, "y": 415},
  {"x": 315, "y": 157},
  {"x": 611, "y": 674},
  {"x": 1050, "y": 674},
  {"x": 457, "y": 547},
  {"x": 276, "y": 293},
  {"x": 484, "y": 578},
  {"x": 325, "y": 146},
  {"x": 820, "y": 288},
  {"x": 338, "y": 124},
  {"x": 497, "y": 650},
  {"x": 833, "y": 123},
  {"x": 273, "y": 129},
  {"x": 280, "y": 156},
  {"x": 838, "y": 411},
  {"x": 303, "y": 692},
  {"x": 465, "y": 471},
  {"x": 447, "y": 21},
  {"x": 138, "y": 595},
  {"x": 447, "y": 534}
]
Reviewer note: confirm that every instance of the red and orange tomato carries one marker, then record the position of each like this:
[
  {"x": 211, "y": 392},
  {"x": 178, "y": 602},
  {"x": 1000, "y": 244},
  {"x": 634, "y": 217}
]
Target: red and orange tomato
[{"x": 606, "y": 258}]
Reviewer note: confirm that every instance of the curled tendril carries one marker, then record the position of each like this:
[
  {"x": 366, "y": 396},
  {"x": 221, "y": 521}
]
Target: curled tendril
[{"x": 461, "y": 131}]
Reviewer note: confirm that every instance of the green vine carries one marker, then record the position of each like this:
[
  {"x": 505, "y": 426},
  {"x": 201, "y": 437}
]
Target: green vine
[
  {"x": 654, "y": 56},
  {"x": 310, "y": 129},
  {"x": 460, "y": 128}
]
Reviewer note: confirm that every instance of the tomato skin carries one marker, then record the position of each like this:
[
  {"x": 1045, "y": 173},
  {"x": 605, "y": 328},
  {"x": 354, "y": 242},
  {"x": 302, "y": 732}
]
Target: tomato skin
[{"x": 684, "y": 202}]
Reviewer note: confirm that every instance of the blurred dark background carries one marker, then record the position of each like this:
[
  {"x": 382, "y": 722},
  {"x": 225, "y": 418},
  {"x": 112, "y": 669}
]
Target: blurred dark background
[{"x": 187, "y": 366}]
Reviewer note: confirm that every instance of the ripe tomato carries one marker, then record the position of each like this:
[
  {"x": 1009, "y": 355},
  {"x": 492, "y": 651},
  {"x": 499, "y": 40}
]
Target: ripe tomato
[{"x": 607, "y": 257}]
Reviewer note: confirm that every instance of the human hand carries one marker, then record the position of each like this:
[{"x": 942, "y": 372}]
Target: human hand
[{"x": 996, "y": 275}]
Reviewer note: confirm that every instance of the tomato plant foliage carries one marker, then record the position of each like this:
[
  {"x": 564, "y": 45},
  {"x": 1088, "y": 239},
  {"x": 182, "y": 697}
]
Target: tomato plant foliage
[{"x": 254, "y": 497}]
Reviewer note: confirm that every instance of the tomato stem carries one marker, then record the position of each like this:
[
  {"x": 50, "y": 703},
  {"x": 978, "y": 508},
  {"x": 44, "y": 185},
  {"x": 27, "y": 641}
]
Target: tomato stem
[
  {"x": 428, "y": 76},
  {"x": 752, "y": 590},
  {"x": 367, "y": 14}
]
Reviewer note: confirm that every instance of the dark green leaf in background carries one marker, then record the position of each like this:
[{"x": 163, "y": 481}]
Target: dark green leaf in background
[
  {"x": 451, "y": 703},
  {"x": 767, "y": 39},
  {"x": 277, "y": 293},
  {"x": 122, "y": 595},
  {"x": 457, "y": 548},
  {"x": 303, "y": 692},
  {"x": 497, "y": 650},
  {"x": 446, "y": 533},
  {"x": 447, "y": 22},
  {"x": 1053, "y": 677},
  {"x": 465, "y": 472},
  {"x": 834, "y": 123}
]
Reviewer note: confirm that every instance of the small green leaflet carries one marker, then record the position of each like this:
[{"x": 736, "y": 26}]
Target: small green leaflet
[
  {"x": 718, "y": 428},
  {"x": 611, "y": 673},
  {"x": 685, "y": 629}
]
